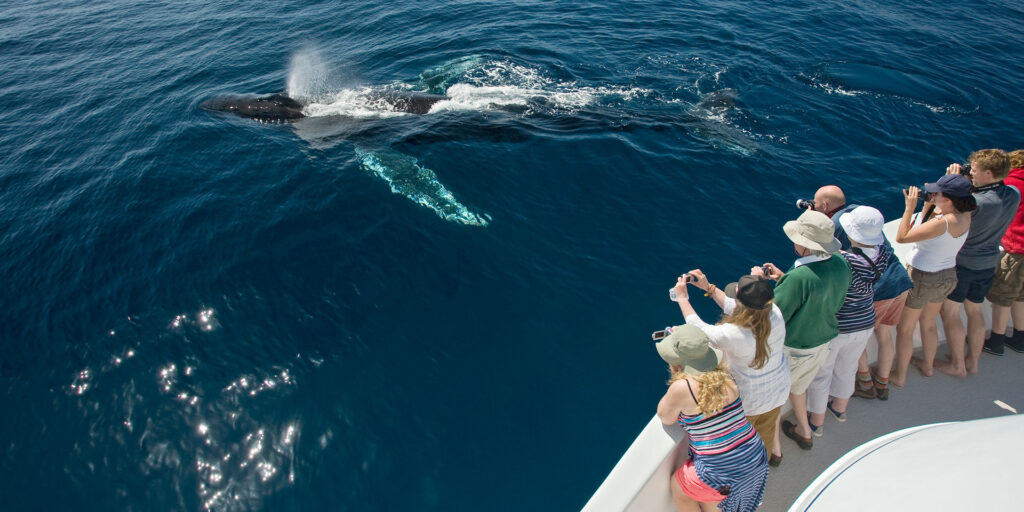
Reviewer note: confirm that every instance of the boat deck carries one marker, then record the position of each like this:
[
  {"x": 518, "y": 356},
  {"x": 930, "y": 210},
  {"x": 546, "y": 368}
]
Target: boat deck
[{"x": 924, "y": 400}]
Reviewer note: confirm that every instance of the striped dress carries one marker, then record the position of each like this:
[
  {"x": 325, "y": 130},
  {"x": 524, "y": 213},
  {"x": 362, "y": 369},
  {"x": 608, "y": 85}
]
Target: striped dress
[{"x": 726, "y": 451}]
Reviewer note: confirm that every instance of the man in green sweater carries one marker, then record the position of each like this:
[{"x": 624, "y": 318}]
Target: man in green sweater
[{"x": 809, "y": 295}]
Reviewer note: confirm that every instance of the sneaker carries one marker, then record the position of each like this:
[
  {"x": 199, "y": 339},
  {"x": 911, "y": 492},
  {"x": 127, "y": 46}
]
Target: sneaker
[
  {"x": 839, "y": 416},
  {"x": 1016, "y": 342},
  {"x": 817, "y": 431},
  {"x": 994, "y": 344}
]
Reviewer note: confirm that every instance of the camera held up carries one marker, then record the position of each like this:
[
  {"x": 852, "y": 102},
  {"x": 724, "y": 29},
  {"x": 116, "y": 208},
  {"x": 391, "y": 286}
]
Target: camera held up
[{"x": 805, "y": 204}]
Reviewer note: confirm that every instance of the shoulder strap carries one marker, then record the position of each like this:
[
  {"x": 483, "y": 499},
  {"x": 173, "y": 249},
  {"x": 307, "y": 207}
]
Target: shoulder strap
[
  {"x": 691, "y": 392},
  {"x": 874, "y": 268}
]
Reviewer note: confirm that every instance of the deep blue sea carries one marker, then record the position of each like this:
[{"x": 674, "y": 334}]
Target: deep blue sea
[{"x": 372, "y": 310}]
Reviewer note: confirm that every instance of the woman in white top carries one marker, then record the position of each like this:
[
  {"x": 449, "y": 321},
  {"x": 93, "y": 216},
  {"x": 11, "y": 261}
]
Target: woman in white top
[
  {"x": 750, "y": 334},
  {"x": 932, "y": 265}
]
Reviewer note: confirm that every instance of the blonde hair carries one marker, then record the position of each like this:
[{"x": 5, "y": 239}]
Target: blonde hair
[
  {"x": 711, "y": 397},
  {"x": 994, "y": 160},
  {"x": 759, "y": 321},
  {"x": 1017, "y": 158}
]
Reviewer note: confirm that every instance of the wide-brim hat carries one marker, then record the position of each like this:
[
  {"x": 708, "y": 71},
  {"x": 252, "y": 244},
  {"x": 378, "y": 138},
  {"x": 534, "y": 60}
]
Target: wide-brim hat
[
  {"x": 813, "y": 230},
  {"x": 863, "y": 225},
  {"x": 687, "y": 347},
  {"x": 753, "y": 292}
]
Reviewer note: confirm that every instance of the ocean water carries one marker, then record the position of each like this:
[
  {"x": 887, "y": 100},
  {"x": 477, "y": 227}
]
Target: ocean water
[{"x": 371, "y": 310}]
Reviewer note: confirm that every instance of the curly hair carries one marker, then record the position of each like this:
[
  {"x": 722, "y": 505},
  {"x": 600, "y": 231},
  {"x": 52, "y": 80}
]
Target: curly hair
[
  {"x": 1017, "y": 158},
  {"x": 759, "y": 321},
  {"x": 711, "y": 397}
]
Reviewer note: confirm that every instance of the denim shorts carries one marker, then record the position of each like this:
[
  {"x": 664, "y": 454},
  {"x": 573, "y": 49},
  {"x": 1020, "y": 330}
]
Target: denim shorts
[{"x": 972, "y": 284}]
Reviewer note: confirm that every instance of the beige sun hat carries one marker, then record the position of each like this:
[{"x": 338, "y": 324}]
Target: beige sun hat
[
  {"x": 813, "y": 230},
  {"x": 687, "y": 346}
]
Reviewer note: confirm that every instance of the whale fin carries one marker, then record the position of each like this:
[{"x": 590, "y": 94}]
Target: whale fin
[{"x": 419, "y": 184}]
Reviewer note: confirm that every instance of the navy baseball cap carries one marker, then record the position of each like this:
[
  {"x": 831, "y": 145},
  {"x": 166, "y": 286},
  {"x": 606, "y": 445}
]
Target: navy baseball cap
[{"x": 955, "y": 185}]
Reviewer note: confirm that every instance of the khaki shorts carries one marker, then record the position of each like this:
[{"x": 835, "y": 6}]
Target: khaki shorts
[
  {"x": 930, "y": 287},
  {"x": 887, "y": 312},
  {"x": 803, "y": 366},
  {"x": 1008, "y": 285},
  {"x": 764, "y": 425}
]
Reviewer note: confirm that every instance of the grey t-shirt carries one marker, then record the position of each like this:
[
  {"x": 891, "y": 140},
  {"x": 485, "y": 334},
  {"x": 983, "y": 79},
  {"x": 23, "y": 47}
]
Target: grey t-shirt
[{"x": 996, "y": 208}]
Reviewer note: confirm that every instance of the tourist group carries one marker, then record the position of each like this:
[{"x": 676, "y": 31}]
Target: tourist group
[{"x": 801, "y": 335}]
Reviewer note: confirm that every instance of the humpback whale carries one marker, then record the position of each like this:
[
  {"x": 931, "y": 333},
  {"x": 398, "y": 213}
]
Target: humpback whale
[{"x": 281, "y": 108}]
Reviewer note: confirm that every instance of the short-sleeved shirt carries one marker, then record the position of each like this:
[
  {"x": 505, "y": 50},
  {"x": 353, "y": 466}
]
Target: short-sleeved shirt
[{"x": 996, "y": 207}]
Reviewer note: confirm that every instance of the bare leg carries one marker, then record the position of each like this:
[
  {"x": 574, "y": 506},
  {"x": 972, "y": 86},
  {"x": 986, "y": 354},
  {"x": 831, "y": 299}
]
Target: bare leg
[
  {"x": 1017, "y": 312},
  {"x": 817, "y": 419},
  {"x": 840, "y": 404},
  {"x": 800, "y": 411},
  {"x": 955, "y": 337},
  {"x": 709, "y": 506},
  {"x": 683, "y": 502},
  {"x": 1000, "y": 316},
  {"x": 929, "y": 337},
  {"x": 883, "y": 333},
  {"x": 904, "y": 344},
  {"x": 975, "y": 335}
]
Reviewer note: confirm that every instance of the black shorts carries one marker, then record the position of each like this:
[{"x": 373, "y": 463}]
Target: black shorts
[{"x": 971, "y": 284}]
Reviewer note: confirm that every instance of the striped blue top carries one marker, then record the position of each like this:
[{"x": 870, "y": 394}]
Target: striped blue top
[
  {"x": 858, "y": 312},
  {"x": 726, "y": 451}
]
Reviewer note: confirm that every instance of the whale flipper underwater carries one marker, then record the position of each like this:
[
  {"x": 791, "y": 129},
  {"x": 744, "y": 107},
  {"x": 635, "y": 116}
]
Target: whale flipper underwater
[{"x": 281, "y": 108}]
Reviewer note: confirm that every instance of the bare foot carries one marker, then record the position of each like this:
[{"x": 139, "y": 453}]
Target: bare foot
[
  {"x": 972, "y": 365},
  {"x": 919, "y": 364},
  {"x": 950, "y": 369},
  {"x": 897, "y": 382}
]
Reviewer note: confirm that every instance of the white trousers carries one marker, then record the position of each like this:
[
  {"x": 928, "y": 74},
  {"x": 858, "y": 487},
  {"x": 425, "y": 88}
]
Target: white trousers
[{"x": 838, "y": 373}]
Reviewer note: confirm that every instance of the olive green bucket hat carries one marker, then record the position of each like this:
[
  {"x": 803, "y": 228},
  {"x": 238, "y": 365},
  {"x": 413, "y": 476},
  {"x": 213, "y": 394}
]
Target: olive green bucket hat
[{"x": 687, "y": 347}]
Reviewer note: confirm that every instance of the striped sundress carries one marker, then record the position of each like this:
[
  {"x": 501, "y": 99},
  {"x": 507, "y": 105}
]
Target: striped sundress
[{"x": 726, "y": 451}]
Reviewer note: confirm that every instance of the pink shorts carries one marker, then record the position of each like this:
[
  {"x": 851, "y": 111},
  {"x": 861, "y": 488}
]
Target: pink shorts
[
  {"x": 887, "y": 312},
  {"x": 686, "y": 477}
]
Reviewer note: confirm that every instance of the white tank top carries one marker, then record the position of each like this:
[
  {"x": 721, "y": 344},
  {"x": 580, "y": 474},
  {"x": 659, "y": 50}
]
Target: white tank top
[{"x": 937, "y": 253}]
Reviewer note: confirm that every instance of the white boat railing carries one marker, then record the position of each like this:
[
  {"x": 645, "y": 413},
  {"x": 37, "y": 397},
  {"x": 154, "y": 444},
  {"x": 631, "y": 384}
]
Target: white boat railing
[{"x": 640, "y": 480}]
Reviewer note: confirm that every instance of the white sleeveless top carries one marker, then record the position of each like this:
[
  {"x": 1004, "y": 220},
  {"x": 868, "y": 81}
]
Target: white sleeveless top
[{"x": 937, "y": 253}]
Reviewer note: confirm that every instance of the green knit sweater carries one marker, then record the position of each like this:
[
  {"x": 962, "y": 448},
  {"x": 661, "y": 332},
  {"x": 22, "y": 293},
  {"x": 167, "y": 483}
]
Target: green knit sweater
[{"x": 809, "y": 297}]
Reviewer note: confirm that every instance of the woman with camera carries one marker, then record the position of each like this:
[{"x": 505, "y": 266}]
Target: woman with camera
[
  {"x": 937, "y": 235},
  {"x": 751, "y": 333},
  {"x": 727, "y": 469}
]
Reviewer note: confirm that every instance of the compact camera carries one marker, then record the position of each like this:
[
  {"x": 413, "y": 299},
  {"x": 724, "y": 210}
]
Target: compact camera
[{"x": 805, "y": 204}]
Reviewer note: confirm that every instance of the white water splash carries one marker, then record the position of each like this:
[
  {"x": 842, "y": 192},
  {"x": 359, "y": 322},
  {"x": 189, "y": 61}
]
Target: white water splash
[{"x": 309, "y": 75}]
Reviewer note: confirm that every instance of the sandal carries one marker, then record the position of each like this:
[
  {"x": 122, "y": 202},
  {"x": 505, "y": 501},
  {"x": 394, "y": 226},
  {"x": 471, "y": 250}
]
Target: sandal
[
  {"x": 775, "y": 460},
  {"x": 839, "y": 416},
  {"x": 882, "y": 393},
  {"x": 869, "y": 393},
  {"x": 805, "y": 443}
]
